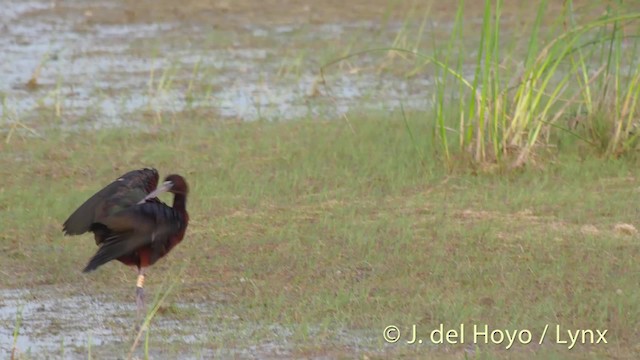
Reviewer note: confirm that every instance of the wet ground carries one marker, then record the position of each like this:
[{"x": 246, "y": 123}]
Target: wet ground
[
  {"x": 75, "y": 63},
  {"x": 55, "y": 322},
  {"x": 113, "y": 62},
  {"x": 108, "y": 63}
]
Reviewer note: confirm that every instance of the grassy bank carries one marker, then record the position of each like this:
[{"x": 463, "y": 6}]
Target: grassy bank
[{"x": 318, "y": 226}]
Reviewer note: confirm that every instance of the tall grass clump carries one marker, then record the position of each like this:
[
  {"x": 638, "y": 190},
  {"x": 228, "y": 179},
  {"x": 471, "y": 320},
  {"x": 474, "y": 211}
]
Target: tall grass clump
[
  {"x": 584, "y": 70},
  {"x": 522, "y": 90}
]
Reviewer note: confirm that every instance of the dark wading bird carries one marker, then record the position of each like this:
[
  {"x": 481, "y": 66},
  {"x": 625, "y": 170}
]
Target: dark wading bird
[{"x": 130, "y": 224}]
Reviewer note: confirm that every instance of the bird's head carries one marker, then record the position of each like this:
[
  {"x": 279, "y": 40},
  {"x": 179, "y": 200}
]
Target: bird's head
[
  {"x": 176, "y": 184},
  {"x": 173, "y": 183}
]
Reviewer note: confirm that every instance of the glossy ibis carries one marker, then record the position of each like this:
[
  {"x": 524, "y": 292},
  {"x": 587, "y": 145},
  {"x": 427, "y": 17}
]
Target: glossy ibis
[{"x": 130, "y": 224}]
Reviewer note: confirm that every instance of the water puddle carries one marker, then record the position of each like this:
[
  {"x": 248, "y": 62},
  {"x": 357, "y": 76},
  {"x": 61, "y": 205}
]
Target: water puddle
[
  {"x": 102, "y": 74},
  {"x": 50, "y": 323},
  {"x": 62, "y": 323},
  {"x": 71, "y": 326}
]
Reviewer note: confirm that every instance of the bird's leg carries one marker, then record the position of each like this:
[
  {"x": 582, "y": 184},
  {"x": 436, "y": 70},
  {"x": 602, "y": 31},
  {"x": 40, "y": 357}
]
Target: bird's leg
[{"x": 140, "y": 291}]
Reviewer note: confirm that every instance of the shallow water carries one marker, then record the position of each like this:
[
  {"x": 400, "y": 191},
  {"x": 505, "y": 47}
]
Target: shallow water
[
  {"x": 64, "y": 324},
  {"x": 49, "y": 322},
  {"x": 56, "y": 323},
  {"x": 100, "y": 74}
]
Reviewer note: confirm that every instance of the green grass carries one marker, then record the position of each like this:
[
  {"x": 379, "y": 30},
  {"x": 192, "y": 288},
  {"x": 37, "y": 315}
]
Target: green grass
[
  {"x": 318, "y": 226},
  {"x": 529, "y": 85}
]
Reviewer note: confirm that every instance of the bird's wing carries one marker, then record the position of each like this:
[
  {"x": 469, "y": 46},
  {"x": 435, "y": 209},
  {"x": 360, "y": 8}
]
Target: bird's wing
[
  {"x": 148, "y": 224},
  {"x": 123, "y": 192}
]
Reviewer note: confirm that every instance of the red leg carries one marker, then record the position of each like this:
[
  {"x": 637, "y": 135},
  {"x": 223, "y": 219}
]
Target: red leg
[{"x": 144, "y": 262}]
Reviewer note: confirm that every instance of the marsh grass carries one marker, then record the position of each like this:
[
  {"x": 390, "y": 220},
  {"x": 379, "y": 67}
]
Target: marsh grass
[
  {"x": 515, "y": 104},
  {"x": 16, "y": 333},
  {"x": 32, "y": 84},
  {"x": 326, "y": 229}
]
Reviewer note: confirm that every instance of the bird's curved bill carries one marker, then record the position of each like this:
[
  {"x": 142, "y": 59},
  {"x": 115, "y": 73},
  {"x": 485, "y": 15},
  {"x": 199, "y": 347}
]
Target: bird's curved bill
[{"x": 166, "y": 186}]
